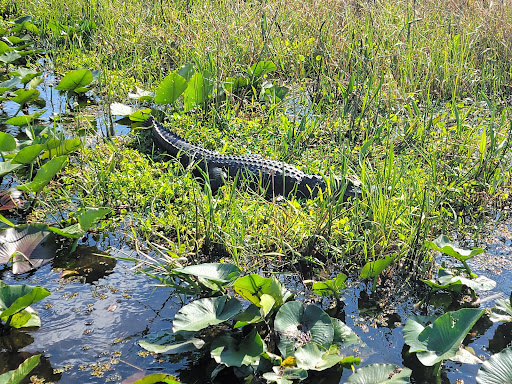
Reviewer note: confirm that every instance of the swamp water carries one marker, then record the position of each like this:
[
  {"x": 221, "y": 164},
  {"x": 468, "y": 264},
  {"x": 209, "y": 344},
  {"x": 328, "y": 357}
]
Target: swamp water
[{"x": 99, "y": 309}]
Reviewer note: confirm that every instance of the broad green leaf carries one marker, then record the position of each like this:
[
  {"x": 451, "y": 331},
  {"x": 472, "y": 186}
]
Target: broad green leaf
[
  {"x": 252, "y": 287},
  {"x": 449, "y": 281},
  {"x": 344, "y": 336},
  {"x": 496, "y": 370},
  {"x": 86, "y": 219},
  {"x": 158, "y": 378},
  {"x": 380, "y": 374},
  {"x": 440, "y": 340},
  {"x": 226, "y": 350},
  {"x": 28, "y": 154},
  {"x": 466, "y": 355},
  {"x": 14, "y": 299},
  {"x": 4, "y": 48},
  {"x": 285, "y": 375},
  {"x": 44, "y": 175},
  {"x": 9, "y": 84},
  {"x": 7, "y": 142},
  {"x": 25, "y": 96},
  {"x": 25, "y": 74},
  {"x": 262, "y": 68},
  {"x": 202, "y": 313},
  {"x": 26, "y": 318},
  {"x": 140, "y": 115},
  {"x": 297, "y": 325},
  {"x": 198, "y": 90},
  {"x": 216, "y": 272},
  {"x": 310, "y": 357},
  {"x": 328, "y": 287},
  {"x": 375, "y": 268},
  {"x": 233, "y": 83},
  {"x": 24, "y": 119},
  {"x": 502, "y": 311},
  {"x": 17, "y": 375},
  {"x": 444, "y": 245},
  {"x": 170, "y": 89},
  {"x": 7, "y": 167},
  {"x": 186, "y": 71},
  {"x": 9, "y": 57},
  {"x": 63, "y": 148},
  {"x": 167, "y": 342},
  {"x": 76, "y": 81},
  {"x": 251, "y": 315}
]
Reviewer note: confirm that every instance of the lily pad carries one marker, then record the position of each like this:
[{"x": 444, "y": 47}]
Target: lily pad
[
  {"x": 24, "y": 119},
  {"x": 7, "y": 142},
  {"x": 374, "y": 268},
  {"x": 167, "y": 342},
  {"x": 170, "y": 89},
  {"x": 76, "y": 81},
  {"x": 298, "y": 325},
  {"x": 216, "y": 272},
  {"x": 158, "y": 378},
  {"x": 496, "y": 370},
  {"x": 502, "y": 311},
  {"x": 344, "y": 336},
  {"x": 380, "y": 373},
  {"x": 25, "y": 96},
  {"x": 448, "y": 281},
  {"x": 311, "y": 357},
  {"x": 328, "y": 287},
  {"x": 14, "y": 302},
  {"x": 252, "y": 287},
  {"x": 202, "y": 313},
  {"x": 440, "y": 340},
  {"x": 142, "y": 95},
  {"x": 226, "y": 350},
  {"x": 45, "y": 174},
  {"x": 444, "y": 245}
]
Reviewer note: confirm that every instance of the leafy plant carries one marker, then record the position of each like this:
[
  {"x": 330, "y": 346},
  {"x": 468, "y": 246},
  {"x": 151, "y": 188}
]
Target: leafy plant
[
  {"x": 380, "y": 373},
  {"x": 305, "y": 336},
  {"x": 15, "y": 301},
  {"x": 502, "y": 311},
  {"x": 17, "y": 375},
  {"x": 437, "y": 339},
  {"x": 496, "y": 370}
]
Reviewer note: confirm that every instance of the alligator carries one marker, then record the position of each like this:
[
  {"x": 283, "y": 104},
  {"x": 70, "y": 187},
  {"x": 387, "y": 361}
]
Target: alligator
[{"x": 275, "y": 178}]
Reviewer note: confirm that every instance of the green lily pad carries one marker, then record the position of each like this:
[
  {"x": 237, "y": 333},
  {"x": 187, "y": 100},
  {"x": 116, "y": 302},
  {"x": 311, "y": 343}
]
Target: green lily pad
[
  {"x": 44, "y": 175},
  {"x": 311, "y": 357},
  {"x": 344, "y": 336},
  {"x": 25, "y": 74},
  {"x": 298, "y": 325},
  {"x": 167, "y": 342},
  {"x": 444, "y": 245},
  {"x": 496, "y": 370},
  {"x": 76, "y": 81},
  {"x": 25, "y": 96},
  {"x": 380, "y": 373},
  {"x": 251, "y": 315},
  {"x": 262, "y": 68},
  {"x": 142, "y": 95},
  {"x": 502, "y": 311},
  {"x": 202, "y": 313},
  {"x": 233, "y": 83},
  {"x": 374, "y": 268},
  {"x": 9, "y": 57},
  {"x": 226, "y": 350},
  {"x": 216, "y": 272},
  {"x": 285, "y": 375},
  {"x": 86, "y": 219},
  {"x": 9, "y": 84},
  {"x": 59, "y": 148},
  {"x": 7, "y": 142},
  {"x": 448, "y": 281},
  {"x": 16, "y": 299},
  {"x": 441, "y": 339},
  {"x": 170, "y": 89},
  {"x": 253, "y": 287},
  {"x": 24, "y": 119}
]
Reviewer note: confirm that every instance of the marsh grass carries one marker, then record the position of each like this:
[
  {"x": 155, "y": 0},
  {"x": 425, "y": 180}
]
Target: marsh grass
[{"x": 412, "y": 99}]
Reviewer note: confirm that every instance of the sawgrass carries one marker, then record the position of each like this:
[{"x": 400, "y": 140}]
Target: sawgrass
[{"x": 412, "y": 99}]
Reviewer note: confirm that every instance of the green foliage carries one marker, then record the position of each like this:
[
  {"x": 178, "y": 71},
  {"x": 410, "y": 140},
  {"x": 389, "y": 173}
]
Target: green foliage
[
  {"x": 380, "y": 373},
  {"x": 157, "y": 378},
  {"x": 15, "y": 301},
  {"x": 502, "y": 311},
  {"x": 76, "y": 81},
  {"x": 496, "y": 370},
  {"x": 440, "y": 340},
  {"x": 16, "y": 376}
]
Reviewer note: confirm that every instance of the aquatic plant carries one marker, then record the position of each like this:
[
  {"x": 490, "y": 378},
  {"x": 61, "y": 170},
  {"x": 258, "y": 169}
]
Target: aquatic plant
[
  {"x": 496, "y": 370},
  {"x": 268, "y": 329},
  {"x": 17, "y": 375}
]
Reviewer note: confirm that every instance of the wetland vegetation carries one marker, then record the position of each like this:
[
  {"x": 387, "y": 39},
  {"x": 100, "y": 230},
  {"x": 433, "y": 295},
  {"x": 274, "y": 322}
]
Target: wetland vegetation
[{"x": 412, "y": 100}]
